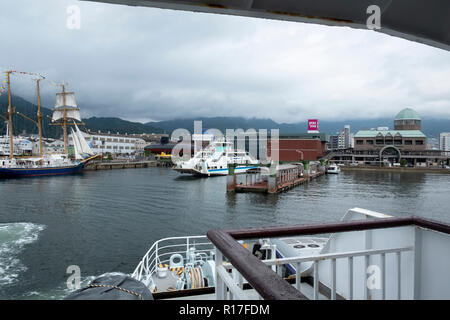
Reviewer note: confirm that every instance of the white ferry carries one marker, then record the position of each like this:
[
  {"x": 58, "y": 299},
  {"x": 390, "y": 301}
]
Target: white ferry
[{"x": 214, "y": 159}]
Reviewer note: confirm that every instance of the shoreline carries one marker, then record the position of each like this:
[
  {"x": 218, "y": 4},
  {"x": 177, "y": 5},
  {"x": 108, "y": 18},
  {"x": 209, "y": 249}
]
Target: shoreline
[{"x": 410, "y": 170}]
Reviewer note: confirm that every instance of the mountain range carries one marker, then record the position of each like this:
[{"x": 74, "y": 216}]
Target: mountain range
[{"x": 431, "y": 127}]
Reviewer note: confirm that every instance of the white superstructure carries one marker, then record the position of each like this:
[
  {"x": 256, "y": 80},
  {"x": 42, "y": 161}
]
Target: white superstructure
[{"x": 214, "y": 160}]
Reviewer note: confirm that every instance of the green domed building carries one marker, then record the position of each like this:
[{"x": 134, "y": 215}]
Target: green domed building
[
  {"x": 406, "y": 142},
  {"x": 392, "y": 145},
  {"x": 407, "y": 119}
]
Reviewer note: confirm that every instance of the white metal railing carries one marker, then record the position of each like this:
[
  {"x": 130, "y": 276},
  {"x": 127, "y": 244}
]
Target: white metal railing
[
  {"x": 161, "y": 250},
  {"x": 229, "y": 285}
]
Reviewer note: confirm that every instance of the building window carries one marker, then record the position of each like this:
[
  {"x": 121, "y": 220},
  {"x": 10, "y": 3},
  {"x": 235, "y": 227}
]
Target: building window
[
  {"x": 408, "y": 142},
  {"x": 419, "y": 142},
  {"x": 359, "y": 141},
  {"x": 398, "y": 142},
  {"x": 370, "y": 142},
  {"x": 379, "y": 142}
]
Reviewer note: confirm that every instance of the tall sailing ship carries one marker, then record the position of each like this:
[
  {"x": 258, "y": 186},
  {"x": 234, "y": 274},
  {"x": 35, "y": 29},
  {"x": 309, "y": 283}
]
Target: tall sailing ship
[{"x": 65, "y": 113}]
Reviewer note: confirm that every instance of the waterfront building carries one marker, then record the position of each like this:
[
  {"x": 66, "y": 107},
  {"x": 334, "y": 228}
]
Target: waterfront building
[
  {"x": 333, "y": 143},
  {"x": 432, "y": 143},
  {"x": 52, "y": 146},
  {"x": 444, "y": 141},
  {"x": 166, "y": 145},
  {"x": 150, "y": 137},
  {"x": 382, "y": 145},
  {"x": 346, "y": 136},
  {"x": 406, "y": 136},
  {"x": 342, "y": 140},
  {"x": 303, "y": 146},
  {"x": 114, "y": 144}
]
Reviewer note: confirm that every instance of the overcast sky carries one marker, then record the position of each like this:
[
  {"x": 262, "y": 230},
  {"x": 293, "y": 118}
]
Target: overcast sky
[{"x": 145, "y": 64}]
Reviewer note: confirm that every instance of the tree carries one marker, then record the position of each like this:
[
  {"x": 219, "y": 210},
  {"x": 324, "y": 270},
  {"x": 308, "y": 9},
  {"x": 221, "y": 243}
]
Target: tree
[{"x": 403, "y": 162}]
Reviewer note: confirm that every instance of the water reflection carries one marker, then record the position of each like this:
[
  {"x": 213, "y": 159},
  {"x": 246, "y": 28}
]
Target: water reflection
[{"x": 105, "y": 220}]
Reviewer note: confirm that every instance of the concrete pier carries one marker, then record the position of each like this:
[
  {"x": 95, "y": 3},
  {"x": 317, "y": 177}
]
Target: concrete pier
[{"x": 126, "y": 164}]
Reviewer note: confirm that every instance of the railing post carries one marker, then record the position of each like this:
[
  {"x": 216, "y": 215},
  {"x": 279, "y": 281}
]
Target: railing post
[
  {"x": 383, "y": 276},
  {"x": 273, "y": 255},
  {"x": 350, "y": 278},
  {"x": 399, "y": 275},
  {"x": 241, "y": 281},
  {"x": 333, "y": 279},
  {"x": 298, "y": 276},
  {"x": 187, "y": 248},
  {"x": 366, "y": 287},
  {"x": 219, "y": 282},
  {"x": 156, "y": 256},
  {"x": 316, "y": 280}
]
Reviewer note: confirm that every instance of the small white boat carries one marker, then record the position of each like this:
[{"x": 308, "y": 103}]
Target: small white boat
[
  {"x": 214, "y": 159},
  {"x": 334, "y": 169}
]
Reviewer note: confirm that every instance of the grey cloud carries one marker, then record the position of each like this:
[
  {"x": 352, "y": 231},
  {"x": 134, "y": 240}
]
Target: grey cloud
[{"x": 150, "y": 64}]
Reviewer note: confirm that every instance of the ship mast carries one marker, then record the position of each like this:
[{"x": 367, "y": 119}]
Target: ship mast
[
  {"x": 64, "y": 119},
  {"x": 10, "y": 114},
  {"x": 65, "y": 112},
  {"x": 39, "y": 117}
]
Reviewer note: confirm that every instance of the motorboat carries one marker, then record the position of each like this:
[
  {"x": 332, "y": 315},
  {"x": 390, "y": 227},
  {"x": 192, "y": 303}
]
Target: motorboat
[{"x": 334, "y": 169}]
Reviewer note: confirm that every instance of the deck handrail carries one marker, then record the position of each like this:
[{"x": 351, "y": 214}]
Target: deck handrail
[
  {"x": 266, "y": 282},
  {"x": 148, "y": 264}
]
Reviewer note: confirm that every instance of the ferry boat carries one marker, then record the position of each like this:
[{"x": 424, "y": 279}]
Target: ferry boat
[
  {"x": 333, "y": 169},
  {"x": 213, "y": 160},
  {"x": 65, "y": 113}
]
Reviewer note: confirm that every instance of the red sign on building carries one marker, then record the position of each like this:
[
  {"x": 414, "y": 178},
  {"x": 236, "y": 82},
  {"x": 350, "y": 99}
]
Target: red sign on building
[{"x": 313, "y": 125}]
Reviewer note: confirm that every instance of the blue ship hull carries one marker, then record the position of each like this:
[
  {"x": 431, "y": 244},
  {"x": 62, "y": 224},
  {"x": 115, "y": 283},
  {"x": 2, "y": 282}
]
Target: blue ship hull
[{"x": 44, "y": 171}]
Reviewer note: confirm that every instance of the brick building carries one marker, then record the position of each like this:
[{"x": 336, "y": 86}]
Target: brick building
[{"x": 297, "y": 147}]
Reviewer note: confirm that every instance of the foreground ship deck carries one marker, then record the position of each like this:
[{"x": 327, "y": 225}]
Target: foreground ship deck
[{"x": 368, "y": 255}]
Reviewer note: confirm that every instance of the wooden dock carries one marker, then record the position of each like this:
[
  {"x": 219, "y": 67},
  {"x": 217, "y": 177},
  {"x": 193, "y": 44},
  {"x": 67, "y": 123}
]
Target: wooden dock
[{"x": 286, "y": 177}]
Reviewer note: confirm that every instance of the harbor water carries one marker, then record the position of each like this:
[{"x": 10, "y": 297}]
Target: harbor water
[{"x": 105, "y": 221}]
